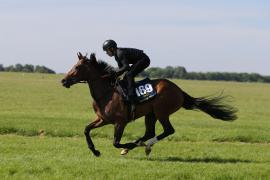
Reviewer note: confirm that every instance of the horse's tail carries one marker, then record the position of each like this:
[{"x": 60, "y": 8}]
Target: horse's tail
[{"x": 214, "y": 106}]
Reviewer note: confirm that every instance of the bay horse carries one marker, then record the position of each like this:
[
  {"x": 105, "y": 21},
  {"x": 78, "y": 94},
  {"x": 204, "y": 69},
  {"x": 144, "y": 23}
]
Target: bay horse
[{"x": 110, "y": 108}]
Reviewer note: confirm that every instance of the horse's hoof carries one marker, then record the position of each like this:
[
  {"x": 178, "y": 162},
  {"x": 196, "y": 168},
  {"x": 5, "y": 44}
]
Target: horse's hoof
[
  {"x": 148, "y": 150},
  {"x": 124, "y": 152},
  {"x": 96, "y": 153}
]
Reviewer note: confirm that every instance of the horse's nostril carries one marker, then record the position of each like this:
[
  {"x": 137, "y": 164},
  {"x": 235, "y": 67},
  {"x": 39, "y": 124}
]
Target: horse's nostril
[{"x": 65, "y": 83}]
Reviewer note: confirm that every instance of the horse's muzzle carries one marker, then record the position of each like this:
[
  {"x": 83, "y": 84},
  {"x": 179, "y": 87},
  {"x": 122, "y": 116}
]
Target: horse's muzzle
[{"x": 66, "y": 83}]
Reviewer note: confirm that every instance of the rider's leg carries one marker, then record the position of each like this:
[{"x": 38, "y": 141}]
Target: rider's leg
[
  {"x": 130, "y": 86},
  {"x": 134, "y": 71}
]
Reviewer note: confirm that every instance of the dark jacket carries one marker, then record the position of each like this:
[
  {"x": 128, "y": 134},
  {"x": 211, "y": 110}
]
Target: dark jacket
[{"x": 126, "y": 56}]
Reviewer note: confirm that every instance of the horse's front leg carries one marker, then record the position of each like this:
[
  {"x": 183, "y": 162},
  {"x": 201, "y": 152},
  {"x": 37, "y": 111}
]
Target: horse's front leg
[
  {"x": 97, "y": 123},
  {"x": 118, "y": 132}
]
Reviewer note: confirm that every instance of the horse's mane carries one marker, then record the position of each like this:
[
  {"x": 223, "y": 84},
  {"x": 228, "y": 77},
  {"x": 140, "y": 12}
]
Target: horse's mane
[{"x": 105, "y": 68}]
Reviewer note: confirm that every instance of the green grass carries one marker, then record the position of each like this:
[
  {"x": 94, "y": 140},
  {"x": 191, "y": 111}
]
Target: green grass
[
  {"x": 50, "y": 158},
  {"x": 201, "y": 148}
]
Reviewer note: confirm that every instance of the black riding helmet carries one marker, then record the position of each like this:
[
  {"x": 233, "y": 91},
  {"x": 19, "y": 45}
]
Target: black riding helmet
[{"x": 109, "y": 44}]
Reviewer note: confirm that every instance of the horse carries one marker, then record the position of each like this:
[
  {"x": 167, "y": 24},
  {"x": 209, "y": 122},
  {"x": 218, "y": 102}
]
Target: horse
[{"x": 110, "y": 108}]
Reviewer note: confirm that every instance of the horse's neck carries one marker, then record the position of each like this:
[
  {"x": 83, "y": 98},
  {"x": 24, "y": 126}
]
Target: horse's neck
[{"x": 100, "y": 90}]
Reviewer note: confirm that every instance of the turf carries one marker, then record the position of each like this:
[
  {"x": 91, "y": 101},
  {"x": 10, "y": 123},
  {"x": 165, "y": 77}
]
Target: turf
[{"x": 42, "y": 123}]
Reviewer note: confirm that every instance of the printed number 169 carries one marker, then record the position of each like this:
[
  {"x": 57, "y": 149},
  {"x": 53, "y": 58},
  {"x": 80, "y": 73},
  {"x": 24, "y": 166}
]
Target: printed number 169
[{"x": 142, "y": 90}]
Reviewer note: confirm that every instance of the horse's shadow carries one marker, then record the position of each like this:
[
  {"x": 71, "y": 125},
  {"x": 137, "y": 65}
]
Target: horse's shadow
[{"x": 197, "y": 160}]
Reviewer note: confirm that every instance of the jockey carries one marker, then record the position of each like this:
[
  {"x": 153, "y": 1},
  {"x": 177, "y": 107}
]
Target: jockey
[{"x": 124, "y": 58}]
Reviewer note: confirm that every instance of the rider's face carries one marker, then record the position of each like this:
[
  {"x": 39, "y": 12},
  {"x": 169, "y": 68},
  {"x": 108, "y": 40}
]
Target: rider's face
[{"x": 109, "y": 52}]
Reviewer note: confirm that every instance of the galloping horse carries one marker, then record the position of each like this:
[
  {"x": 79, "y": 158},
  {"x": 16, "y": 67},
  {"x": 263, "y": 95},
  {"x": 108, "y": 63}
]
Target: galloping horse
[{"x": 110, "y": 108}]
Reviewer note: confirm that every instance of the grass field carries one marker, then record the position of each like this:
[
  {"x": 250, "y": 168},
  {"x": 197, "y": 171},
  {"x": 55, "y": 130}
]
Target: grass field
[{"x": 201, "y": 148}]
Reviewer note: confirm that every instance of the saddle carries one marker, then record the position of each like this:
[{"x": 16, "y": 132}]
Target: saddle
[{"x": 144, "y": 89}]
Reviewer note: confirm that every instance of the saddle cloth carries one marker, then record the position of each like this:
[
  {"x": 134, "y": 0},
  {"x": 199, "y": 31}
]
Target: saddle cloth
[{"x": 143, "y": 88}]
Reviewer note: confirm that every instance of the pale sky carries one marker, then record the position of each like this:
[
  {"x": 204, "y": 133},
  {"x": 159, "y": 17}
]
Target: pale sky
[{"x": 208, "y": 35}]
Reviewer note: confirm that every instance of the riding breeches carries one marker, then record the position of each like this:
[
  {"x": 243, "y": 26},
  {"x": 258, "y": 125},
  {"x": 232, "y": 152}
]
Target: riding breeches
[{"x": 135, "y": 69}]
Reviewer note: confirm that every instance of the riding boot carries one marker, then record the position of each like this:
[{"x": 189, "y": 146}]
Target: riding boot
[
  {"x": 131, "y": 99},
  {"x": 131, "y": 93}
]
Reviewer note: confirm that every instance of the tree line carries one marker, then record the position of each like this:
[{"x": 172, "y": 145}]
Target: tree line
[
  {"x": 177, "y": 72},
  {"x": 26, "y": 68},
  {"x": 180, "y": 72}
]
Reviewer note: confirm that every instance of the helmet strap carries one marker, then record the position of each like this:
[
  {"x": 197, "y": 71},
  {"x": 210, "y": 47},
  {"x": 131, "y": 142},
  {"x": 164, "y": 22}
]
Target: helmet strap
[{"x": 113, "y": 50}]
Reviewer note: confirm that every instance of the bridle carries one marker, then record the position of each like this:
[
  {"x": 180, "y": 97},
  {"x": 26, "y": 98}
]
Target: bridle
[{"x": 114, "y": 81}]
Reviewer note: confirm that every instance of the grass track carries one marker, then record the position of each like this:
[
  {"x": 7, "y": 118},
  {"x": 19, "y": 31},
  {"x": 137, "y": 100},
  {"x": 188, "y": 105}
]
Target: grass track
[
  {"x": 201, "y": 148},
  {"x": 53, "y": 158}
]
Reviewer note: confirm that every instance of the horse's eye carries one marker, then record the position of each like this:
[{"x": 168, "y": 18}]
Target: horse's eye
[{"x": 77, "y": 68}]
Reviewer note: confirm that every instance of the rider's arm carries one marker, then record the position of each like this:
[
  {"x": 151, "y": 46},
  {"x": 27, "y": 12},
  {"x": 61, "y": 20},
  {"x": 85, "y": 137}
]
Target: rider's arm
[{"x": 124, "y": 65}]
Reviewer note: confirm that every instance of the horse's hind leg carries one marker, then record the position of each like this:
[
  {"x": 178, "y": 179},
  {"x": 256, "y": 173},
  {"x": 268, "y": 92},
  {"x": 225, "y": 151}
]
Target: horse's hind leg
[
  {"x": 150, "y": 124},
  {"x": 168, "y": 130}
]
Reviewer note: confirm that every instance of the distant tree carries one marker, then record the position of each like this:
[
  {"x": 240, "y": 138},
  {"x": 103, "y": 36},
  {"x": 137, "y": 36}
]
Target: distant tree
[
  {"x": 267, "y": 79},
  {"x": 43, "y": 69},
  {"x": 179, "y": 72},
  {"x": 28, "y": 68},
  {"x": 2, "y": 67},
  {"x": 18, "y": 68},
  {"x": 256, "y": 77},
  {"x": 193, "y": 76},
  {"x": 168, "y": 72},
  {"x": 10, "y": 68},
  {"x": 154, "y": 72}
]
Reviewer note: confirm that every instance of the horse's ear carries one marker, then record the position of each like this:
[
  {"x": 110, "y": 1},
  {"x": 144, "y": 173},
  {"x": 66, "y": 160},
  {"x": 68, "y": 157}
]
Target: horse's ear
[
  {"x": 80, "y": 56},
  {"x": 93, "y": 57}
]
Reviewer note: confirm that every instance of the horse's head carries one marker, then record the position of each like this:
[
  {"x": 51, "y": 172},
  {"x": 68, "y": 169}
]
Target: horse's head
[{"x": 80, "y": 72}]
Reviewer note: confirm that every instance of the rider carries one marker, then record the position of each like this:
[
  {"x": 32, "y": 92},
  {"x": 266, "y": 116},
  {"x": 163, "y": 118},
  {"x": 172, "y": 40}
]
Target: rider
[{"x": 124, "y": 57}]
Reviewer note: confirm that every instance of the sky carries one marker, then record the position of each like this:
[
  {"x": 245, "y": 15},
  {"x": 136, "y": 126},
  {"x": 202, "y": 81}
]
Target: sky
[{"x": 202, "y": 36}]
